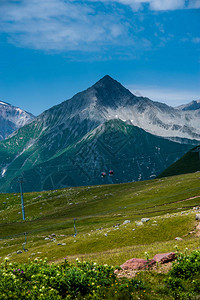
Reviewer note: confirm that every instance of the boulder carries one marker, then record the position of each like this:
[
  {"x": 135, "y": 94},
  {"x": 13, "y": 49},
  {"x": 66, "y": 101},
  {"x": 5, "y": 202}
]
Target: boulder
[
  {"x": 126, "y": 222},
  {"x": 178, "y": 238},
  {"x": 137, "y": 223},
  {"x": 137, "y": 264},
  {"x": 145, "y": 220},
  {"x": 164, "y": 257},
  {"x": 197, "y": 217}
]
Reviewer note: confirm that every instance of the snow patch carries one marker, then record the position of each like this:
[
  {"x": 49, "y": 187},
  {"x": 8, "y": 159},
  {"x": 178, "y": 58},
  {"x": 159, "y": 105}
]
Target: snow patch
[
  {"x": 3, "y": 103},
  {"x": 3, "y": 171}
]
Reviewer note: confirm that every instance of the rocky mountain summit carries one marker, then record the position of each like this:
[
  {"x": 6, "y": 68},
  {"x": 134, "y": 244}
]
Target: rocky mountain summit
[
  {"x": 12, "y": 118},
  {"x": 194, "y": 105}
]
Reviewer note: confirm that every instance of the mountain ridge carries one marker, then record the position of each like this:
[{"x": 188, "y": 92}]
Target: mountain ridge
[
  {"x": 193, "y": 105},
  {"x": 188, "y": 163},
  {"x": 66, "y": 126},
  {"x": 12, "y": 118}
]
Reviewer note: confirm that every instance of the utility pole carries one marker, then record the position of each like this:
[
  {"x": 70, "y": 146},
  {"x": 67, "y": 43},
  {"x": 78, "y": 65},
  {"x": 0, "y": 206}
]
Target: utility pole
[
  {"x": 23, "y": 210},
  {"x": 22, "y": 197}
]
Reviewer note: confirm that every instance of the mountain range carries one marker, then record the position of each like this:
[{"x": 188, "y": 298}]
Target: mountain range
[
  {"x": 104, "y": 127},
  {"x": 12, "y": 118},
  {"x": 194, "y": 105}
]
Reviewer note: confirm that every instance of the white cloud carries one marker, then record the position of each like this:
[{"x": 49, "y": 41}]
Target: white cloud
[
  {"x": 58, "y": 24},
  {"x": 166, "y": 4},
  {"x": 156, "y": 5},
  {"x": 77, "y": 25}
]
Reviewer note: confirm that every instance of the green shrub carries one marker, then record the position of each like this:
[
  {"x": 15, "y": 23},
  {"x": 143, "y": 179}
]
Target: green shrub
[
  {"x": 186, "y": 266},
  {"x": 85, "y": 280},
  {"x": 183, "y": 278},
  {"x": 38, "y": 280}
]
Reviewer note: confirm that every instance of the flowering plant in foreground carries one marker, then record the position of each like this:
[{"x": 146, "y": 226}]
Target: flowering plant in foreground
[{"x": 84, "y": 280}]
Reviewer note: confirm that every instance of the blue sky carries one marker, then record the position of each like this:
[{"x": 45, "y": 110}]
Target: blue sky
[{"x": 52, "y": 49}]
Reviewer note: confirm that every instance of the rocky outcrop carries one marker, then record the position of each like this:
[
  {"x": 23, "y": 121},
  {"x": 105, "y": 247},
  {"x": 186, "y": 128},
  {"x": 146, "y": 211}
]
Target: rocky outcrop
[
  {"x": 164, "y": 257},
  {"x": 137, "y": 264},
  {"x": 197, "y": 217},
  {"x": 142, "y": 264}
]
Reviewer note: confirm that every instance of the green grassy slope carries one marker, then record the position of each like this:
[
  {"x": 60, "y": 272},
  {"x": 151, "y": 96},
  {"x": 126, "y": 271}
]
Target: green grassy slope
[
  {"x": 189, "y": 163},
  {"x": 167, "y": 202}
]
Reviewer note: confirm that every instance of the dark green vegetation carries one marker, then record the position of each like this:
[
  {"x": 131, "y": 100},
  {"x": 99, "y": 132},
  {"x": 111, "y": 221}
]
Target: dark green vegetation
[
  {"x": 168, "y": 202},
  {"x": 135, "y": 154},
  {"x": 38, "y": 280},
  {"x": 189, "y": 163}
]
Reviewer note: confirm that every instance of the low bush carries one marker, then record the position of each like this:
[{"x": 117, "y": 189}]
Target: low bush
[
  {"x": 85, "y": 280},
  {"x": 183, "y": 278}
]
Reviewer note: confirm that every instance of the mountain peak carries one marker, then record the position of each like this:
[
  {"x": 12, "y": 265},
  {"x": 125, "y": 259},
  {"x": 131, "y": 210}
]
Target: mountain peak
[
  {"x": 110, "y": 92},
  {"x": 107, "y": 77},
  {"x": 193, "y": 105},
  {"x": 107, "y": 80},
  {"x": 12, "y": 118}
]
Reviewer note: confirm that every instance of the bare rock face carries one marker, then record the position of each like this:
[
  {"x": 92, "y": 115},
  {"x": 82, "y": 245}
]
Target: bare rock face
[
  {"x": 164, "y": 257},
  {"x": 137, "y": 264},
  {"x": 12, "y": 118}
]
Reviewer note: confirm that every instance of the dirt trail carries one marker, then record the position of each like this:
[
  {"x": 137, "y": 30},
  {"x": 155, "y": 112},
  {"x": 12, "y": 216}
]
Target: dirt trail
[{"x": 191, "y": 198}]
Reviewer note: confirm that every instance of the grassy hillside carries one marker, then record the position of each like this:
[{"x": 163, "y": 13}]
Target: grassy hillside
[
  {"x": 189, "y": 163},
  {"x": 100, "y": 212}
]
